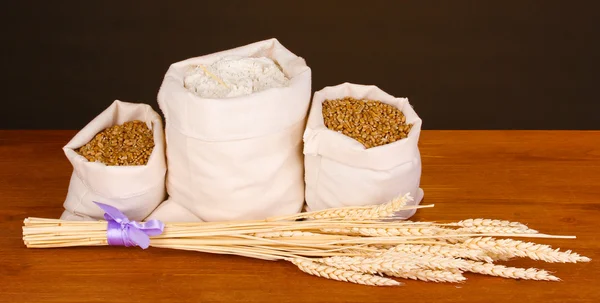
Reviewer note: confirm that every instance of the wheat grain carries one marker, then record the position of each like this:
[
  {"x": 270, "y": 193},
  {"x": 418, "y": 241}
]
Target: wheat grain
[
  {"x": 339, "y": 274},
  {"x": 508, "y": 272},
  {"x": 370, "y": 122}
]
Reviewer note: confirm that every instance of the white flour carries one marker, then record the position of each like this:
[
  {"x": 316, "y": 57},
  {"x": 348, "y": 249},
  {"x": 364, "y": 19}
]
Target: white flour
[{"x": 234, "y": 76}]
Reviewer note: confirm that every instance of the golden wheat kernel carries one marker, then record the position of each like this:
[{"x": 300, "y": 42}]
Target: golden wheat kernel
[
  {"x": 370, "y": 122},
  {"x": 128, "y": 144}
]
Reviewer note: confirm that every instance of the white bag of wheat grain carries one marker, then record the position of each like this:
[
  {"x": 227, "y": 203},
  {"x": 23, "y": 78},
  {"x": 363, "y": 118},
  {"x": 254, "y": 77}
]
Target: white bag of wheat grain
[
  {"x": 236, "y": 157},
  {"x": 135, "y": 190},
  {"x": 340, "y": 171}
]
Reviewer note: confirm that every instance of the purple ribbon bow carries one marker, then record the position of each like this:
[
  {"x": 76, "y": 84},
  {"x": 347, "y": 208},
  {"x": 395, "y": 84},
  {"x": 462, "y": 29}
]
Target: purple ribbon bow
[{"x": 122, "y": 232}]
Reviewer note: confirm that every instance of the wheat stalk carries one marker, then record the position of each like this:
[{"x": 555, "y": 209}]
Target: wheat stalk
[
  {"x": 286, "y": 234},
  {"x": 508, "y": 272},
  {"x": 339, "y": 274}
]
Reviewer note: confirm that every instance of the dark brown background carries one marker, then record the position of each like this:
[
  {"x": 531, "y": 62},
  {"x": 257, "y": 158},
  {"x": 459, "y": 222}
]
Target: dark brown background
[{"x": 463, "y": 64}]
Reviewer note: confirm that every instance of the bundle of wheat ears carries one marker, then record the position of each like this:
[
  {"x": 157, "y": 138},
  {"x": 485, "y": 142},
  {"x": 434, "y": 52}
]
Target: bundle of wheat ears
[{"x": 364, "y": 245}]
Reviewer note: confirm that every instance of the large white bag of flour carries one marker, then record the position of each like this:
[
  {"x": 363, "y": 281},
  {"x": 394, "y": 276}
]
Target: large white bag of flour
[
  {"x": 341, "y": 172},
  {"x": 239, "y": 157},
  {"x": 134, "y": 190}
]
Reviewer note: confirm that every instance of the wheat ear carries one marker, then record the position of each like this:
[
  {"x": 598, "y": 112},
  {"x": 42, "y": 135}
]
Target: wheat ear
[
  {"x": 426, "y": 261},
  {"x": 488, "y": 222},
  {"x": 450, "y": 251},
  {"x": 508, "y": 272},
  {"x": 385, "y": 232},
  {"x": 505, "y": 249},
  {"x": 372, "y": 212},
  {"x": 370, "y": 265},
  {"x": 388, "y": 209},
  {"x": 452, "y": 276},
  {"x": 364, "y": 213},
  {"x": 494, "y": 230},
  {"x": 329, "y": 272}
]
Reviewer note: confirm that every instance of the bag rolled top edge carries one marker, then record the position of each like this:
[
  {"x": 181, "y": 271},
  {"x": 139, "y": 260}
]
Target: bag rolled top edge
[
  {"x": 139, "y": 178},
  {"x": 235, "y": 118},
  {"x": 319, "y": 140}
]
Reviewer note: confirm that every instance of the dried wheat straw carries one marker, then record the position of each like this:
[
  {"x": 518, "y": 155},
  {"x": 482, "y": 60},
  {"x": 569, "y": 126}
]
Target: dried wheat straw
[{"x": 286, "y": 234}]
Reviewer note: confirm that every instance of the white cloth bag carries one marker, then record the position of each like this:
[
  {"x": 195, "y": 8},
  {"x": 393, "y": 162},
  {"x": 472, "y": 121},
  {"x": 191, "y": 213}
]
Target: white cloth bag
[
  {"x": 340, "y": 171},
  {"x": 134, "y": 190},
  {"x": 235, "y": 158}
]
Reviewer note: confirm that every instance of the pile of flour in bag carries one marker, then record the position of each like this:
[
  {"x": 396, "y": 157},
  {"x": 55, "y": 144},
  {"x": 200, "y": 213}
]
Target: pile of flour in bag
[{"x": 234, "y": 76}]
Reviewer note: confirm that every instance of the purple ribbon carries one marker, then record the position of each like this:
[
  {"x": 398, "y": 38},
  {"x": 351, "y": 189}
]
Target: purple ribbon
[{"x": 122, "y": 232}]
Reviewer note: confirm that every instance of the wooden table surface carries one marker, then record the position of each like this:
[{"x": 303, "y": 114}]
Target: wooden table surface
[{"x": 548, "y": 179}]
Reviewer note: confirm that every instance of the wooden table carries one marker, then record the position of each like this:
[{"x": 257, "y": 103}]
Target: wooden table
[{"x": 548, "y": 179}]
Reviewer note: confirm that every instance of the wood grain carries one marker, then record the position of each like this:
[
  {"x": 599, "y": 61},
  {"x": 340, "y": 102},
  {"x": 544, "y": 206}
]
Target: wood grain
[{"x": 548, "y": 179}]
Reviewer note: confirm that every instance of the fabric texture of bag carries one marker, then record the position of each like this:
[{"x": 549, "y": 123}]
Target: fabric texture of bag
[
  {"x": 340, "y": 171},
  {"x": 134, "y": 190},
  {"x": 240, "y": 157}
]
